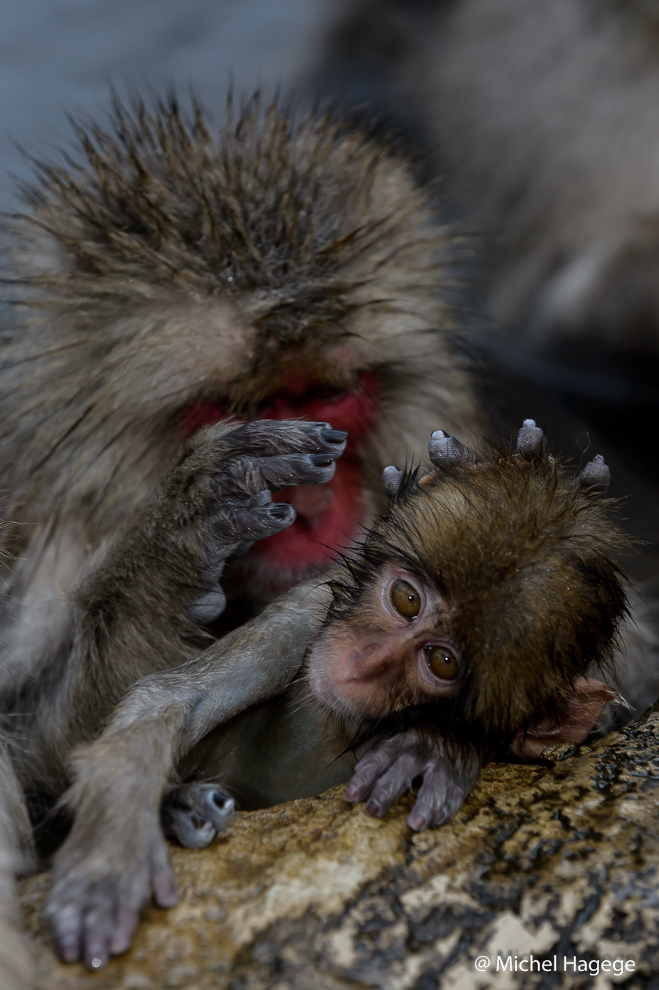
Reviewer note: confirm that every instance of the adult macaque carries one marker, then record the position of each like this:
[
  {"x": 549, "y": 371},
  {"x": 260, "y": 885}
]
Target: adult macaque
[
  {"x": 167, "y": 281},
  {"x": 466, "y": 625}
]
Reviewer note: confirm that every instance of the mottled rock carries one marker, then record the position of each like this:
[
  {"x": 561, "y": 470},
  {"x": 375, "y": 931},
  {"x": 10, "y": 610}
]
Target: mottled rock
[{"x": 556, "y": 860}]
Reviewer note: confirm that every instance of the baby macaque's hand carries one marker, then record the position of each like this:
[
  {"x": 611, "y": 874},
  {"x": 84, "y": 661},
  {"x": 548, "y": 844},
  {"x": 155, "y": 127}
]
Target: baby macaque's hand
[
  {"x": 218, "y": 499},
  {"x": 388, "y": 770}
]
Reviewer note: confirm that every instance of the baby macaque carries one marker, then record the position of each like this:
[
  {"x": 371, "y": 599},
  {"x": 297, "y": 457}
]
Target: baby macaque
[
  {"x": 467, "y": 625},
  {"x": 477, "y": 606}
]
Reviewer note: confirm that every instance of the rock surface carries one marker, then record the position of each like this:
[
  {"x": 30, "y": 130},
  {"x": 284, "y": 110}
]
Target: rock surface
[{"x": 554, "y": 860}]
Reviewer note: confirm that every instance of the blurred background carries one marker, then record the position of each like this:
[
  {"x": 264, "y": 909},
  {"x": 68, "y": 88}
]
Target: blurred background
[
  {"x": 542, "y": 121},
  {"x": 60, "y": 56}
]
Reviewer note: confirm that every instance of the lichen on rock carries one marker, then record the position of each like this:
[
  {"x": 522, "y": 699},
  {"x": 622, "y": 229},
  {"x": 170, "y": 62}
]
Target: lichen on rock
[{"x": 559, "y": 858}]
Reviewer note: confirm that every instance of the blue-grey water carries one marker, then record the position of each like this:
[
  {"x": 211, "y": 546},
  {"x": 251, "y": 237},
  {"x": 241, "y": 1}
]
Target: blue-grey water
[{"x": 58, "y": 56}]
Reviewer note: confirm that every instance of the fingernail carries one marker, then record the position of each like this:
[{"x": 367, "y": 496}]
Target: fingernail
[
  {"x": 68, "y": 950},
  {"x": 373, "y": 809},
  {"x": 119, "y": 944},
  {"x": 352, "y": 792},
  {"x": 417, "y": 821},
  {"x": 279, "y": 510},
  {"x": 321, "y": 460},
  {"x": 333, "y": 436}
]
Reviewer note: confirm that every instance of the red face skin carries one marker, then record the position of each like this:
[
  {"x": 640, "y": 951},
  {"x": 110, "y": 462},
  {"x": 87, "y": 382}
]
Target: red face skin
[
  {"x": 328, "y": 516},
  {"x": 377, "y": 662}
]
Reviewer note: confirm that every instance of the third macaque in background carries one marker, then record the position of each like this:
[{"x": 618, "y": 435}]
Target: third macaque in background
[{"x": 544, "y": 120}]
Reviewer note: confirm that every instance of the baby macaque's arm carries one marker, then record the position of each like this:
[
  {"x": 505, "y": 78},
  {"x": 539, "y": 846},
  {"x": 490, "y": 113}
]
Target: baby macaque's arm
[{"x": 116, "y": 857}]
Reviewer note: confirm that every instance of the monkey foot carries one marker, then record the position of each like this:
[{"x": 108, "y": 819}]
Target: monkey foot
[
  {"x": 195, "y": 813},
  {"x": 99, "y": 888},
  {"x": 388, "y": 770}
]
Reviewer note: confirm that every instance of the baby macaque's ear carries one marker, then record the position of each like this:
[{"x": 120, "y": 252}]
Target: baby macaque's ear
[{"x": 575, "y": 719}]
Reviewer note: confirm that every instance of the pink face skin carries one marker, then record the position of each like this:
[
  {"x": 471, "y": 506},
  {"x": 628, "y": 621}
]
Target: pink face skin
[{"x": 377, "y": 662}]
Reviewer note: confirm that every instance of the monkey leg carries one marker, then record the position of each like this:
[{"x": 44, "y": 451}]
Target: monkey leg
[
  {"x": 194, "y": 813},
  {"x": 16, "y": 855},
  {"x": 448, "y": 770},
  {"x": 115, "y": 857}
]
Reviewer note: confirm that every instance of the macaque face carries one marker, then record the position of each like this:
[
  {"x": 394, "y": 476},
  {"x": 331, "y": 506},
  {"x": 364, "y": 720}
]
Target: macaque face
[
  {"x": 481, "y": 598},
  {"x": 395, "y": 650}
]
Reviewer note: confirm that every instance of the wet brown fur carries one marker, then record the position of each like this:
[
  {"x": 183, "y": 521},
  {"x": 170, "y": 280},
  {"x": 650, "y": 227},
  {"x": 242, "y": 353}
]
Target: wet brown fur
[
  {"x": 162, "y": 265},
  {"x": 525, "y": 561},
  {"x": 165, "y": 265}
]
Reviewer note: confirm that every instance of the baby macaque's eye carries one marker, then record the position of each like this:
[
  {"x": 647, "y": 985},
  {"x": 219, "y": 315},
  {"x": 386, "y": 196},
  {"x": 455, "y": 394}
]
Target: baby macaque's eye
[
  {"x": 405, "y": 599},
  {"x": 442, "y": 661}
]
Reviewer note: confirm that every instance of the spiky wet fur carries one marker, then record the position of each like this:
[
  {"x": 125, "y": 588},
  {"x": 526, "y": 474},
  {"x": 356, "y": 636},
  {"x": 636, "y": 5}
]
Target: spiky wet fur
[
  {"x": 525, "y": 561},
  {"x": 303, "y": 237},
  {"x": 165, "y": 264}
]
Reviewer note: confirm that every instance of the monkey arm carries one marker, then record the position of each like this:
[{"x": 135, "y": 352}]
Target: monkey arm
[
  {"x": 144, "y": 606},
  {"x": 246, "y": 667},
  {"x": 115, "y": 857}
]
